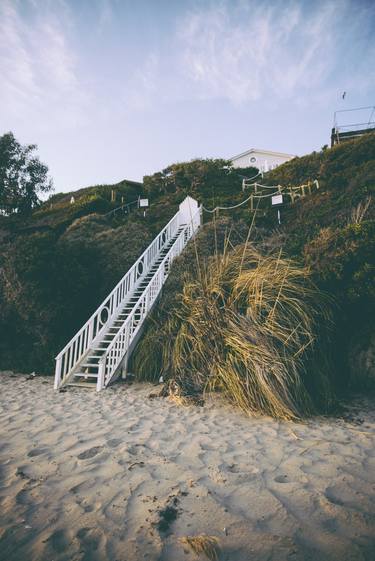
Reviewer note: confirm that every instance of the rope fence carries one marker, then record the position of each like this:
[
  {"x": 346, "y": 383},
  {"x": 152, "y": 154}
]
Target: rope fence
[{"x": 294, "y": 192}]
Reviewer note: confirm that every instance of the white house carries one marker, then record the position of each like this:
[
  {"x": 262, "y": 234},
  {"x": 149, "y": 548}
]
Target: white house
[{"x": 264, "y": 160}]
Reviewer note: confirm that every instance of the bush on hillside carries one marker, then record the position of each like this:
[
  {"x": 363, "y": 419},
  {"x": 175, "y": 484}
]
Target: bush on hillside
[
  {"x": 51, "y": 284},
  {"x": 209, "y": 180},
  {"x": 251, "y": 326},
  {"x": 335, "y": 168},
  {"x": 343, "y": 259}
]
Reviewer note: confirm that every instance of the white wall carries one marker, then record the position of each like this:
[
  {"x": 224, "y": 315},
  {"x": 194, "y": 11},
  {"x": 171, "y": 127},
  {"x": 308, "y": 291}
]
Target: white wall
[{"x": 264, "y": 162}]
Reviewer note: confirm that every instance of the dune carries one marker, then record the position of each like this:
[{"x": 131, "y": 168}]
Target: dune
[{"x": 122, "y": 477}]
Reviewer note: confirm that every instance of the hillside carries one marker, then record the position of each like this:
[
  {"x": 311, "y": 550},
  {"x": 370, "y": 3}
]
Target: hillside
[
  {"x": 57, "y": 266},
  {"x": 331, "y": 232}
]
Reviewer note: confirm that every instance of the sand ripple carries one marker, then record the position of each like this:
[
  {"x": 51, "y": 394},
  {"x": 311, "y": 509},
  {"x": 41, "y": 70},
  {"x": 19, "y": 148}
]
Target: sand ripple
[{"x": 94, "y": 477}]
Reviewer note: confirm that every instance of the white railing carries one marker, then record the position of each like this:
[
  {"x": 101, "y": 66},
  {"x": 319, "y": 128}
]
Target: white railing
[
  {"x": 75, "y": 350},
  {"x": 114, "y": 354}
]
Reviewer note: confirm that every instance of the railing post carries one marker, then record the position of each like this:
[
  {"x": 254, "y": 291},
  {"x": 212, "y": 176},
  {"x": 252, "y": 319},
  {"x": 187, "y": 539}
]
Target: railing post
[
  {"x": 90, "y": 333},
  {"x": 58, "y": 373},
  {"x": 100, "y": 381}
]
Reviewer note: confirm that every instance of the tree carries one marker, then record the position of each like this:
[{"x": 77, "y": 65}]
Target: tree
[
  {"x": 22, "y": 176},
  {"x": 199, "y": 177}
]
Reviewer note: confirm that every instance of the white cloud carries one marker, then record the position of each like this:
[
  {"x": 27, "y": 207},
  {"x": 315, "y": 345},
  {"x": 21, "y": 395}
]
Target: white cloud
[
  {"x": 245, "y": 51},
  {"x": 38, "y": 68}
]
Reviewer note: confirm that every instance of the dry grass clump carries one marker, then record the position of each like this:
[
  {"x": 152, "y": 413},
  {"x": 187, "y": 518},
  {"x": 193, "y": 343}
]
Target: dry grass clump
[
  {"x": 208, "y": 545},
  {"x": 359, "y": 212},
  {"x": 249, "y": 327}
]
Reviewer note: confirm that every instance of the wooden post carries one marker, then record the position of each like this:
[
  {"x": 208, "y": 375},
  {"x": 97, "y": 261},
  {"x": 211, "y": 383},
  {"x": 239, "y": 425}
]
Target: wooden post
[
  {"x": 113, "y": 196},
  {"x": 251, "y": 203}
]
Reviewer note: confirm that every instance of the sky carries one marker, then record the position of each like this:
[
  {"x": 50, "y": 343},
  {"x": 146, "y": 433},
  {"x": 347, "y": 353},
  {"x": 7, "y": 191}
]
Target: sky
[{"x": 115, "y": 89}]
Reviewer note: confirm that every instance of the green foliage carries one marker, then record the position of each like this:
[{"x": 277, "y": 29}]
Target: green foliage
[
  {"x": 343, "y": 260},
  {"x": 47, "y": 290},
  {"x": 22, "y": 176},
  {"x": 50, "y": 283},
  {"x": 210, "y": 180},
  {"x": 340, "y": 167}
]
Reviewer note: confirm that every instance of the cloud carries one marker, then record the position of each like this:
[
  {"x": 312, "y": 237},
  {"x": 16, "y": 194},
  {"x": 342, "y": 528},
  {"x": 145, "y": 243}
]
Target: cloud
[
  {"x": 246, "y": 51},
  {"x": 38, "y": 68}
]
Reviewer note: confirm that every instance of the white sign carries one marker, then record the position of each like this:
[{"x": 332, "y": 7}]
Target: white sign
[
  {"x": 277, "y": 200},
  {"x": 143, "y": 202}
]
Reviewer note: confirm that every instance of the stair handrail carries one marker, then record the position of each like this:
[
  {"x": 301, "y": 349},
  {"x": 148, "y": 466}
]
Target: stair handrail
[
  {"x": 75, "y": 349},
  {"x": 178, "y": 244}
]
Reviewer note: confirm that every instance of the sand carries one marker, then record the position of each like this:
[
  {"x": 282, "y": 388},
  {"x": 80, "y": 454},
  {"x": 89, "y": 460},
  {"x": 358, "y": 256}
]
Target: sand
[{"x": 121, "y": 477}]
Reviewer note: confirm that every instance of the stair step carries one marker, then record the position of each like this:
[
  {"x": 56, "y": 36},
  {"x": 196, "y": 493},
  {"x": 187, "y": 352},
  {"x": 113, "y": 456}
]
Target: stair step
[
  {"x": 86, "y": 374},
  {"x": 90, "y": 365},
  {"x": 81, "y": 385}
]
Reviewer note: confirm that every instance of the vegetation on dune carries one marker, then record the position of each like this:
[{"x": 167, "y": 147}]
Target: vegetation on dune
[
  {"x": 51, "y": 282},
  {"x": 331, "y": 235},
  {"x": 252, "y": 326},
  {"x": 333, "y": 232},
  {"x": 201, "y": 178}
]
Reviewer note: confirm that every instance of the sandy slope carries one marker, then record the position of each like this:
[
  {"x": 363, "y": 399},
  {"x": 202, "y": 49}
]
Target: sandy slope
[{"x": 85, "y": 477}]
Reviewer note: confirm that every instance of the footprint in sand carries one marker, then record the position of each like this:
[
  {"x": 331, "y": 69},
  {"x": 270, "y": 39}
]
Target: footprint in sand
[
  {"x": 114, "y": 442},
  {"x": 59, "y": 541},
  {"x": 90, "y": 453},
  {"x": 282, "y": 479},
  {"x": 37, "y": 452}
]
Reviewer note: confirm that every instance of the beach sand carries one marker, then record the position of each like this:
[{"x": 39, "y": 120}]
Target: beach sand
[{"x": 118, "y": 476}]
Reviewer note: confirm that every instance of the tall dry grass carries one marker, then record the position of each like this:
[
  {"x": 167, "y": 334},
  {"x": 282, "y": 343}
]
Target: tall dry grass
[{"x": 253, "y": 327}]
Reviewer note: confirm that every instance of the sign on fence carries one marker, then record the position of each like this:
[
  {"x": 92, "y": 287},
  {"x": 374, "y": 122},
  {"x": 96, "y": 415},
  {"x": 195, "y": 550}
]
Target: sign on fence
[
  {"x": 277, "y": 200},
  {"x": 143, "y": 203}
]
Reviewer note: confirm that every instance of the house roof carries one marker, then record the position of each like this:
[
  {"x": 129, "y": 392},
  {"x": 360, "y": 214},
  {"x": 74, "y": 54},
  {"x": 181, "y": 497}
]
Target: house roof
[{"x": 266, "y": 152}]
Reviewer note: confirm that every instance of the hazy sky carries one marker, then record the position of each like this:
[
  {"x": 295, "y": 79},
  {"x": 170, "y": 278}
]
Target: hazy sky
[{"x": 114, "y": 89}]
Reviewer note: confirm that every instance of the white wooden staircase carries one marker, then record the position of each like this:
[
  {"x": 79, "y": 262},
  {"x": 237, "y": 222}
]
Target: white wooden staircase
[{"x": 101, "y": 348}]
